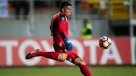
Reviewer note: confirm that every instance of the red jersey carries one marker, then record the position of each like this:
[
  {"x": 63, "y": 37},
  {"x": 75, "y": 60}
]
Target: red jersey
[{"x": 59, "y": 24}]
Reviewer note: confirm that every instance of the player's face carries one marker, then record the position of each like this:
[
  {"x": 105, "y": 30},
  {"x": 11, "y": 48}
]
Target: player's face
[{"x": 67, "y": 10}]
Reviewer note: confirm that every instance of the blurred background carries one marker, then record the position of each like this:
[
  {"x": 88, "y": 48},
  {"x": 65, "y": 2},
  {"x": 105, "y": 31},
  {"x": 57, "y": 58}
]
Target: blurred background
[
  {"x": 33, "y": 16},
  {"x": 25, "y": 24}
]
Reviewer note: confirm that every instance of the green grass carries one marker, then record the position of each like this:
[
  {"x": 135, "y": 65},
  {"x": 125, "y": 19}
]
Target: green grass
[{"x": 68, "y": 71}]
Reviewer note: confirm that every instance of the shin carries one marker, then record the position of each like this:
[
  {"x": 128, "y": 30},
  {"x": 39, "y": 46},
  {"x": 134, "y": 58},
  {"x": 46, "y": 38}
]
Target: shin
[{"x": 83, "y": 67}]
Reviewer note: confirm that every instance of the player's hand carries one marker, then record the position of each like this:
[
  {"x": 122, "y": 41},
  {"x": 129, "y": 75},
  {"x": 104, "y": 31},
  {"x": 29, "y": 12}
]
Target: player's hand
[{"x": 68, "y": 44}]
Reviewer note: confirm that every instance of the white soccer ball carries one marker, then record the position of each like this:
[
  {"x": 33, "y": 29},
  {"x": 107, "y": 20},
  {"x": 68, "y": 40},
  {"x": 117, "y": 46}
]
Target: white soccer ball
[{"x": 104, "y": 42}]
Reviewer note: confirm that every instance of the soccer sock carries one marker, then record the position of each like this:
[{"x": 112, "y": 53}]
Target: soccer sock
[
  {"x": 85, "y": 71},
  {"x": 51, "y": 55}
]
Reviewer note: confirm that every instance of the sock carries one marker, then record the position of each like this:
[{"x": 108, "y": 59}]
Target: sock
[
  {"x": 51, "y": 55},
  {"x": 85, "y": 71}
]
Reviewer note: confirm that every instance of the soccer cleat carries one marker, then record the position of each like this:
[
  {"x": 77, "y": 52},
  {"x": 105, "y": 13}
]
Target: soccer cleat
[
  {"x": 28, "y": 56},
  {"x": 32, "y": 54}
]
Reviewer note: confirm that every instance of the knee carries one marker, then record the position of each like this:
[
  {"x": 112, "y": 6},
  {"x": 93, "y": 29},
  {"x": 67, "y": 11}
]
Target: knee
[
  {"x": 79, "y": 62},
  {"x": 62, "y": 57}
]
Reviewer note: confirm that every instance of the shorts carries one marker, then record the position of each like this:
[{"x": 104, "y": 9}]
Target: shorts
[{"x": 61, "y": 49}]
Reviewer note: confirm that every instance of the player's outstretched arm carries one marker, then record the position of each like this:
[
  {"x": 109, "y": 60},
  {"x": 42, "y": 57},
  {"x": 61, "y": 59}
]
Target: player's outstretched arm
[{"x": 68, "y": 44}]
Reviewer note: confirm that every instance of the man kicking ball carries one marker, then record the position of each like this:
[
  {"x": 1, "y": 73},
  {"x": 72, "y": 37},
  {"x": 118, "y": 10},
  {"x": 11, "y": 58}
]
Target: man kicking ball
[{"x": 62, "y": 46}]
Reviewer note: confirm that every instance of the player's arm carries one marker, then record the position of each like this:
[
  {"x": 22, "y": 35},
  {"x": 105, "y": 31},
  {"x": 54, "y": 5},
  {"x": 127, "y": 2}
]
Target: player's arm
[
  {"x": 62, "y": 33},
  {"x": 68, "y": 44}
]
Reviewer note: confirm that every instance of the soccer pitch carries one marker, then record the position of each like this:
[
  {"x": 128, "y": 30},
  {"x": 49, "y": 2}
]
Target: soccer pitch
[{"x": 68, "y": 71}]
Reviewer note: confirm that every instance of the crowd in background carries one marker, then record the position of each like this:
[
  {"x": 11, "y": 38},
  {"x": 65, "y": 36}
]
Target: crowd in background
[
  {"x": 23, "y": 5},
  {"x": 84, "y": 9}
]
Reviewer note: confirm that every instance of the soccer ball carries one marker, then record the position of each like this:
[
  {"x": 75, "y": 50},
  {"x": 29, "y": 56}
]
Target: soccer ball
[{"x": 104, "y": 42}]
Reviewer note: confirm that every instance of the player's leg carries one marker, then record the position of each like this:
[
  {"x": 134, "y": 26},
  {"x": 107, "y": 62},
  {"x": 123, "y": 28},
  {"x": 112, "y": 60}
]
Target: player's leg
[
  {"x": 83, "y": 67},
  {"x": 75, "y": 59},
  {"x": 52, "y": 55}
]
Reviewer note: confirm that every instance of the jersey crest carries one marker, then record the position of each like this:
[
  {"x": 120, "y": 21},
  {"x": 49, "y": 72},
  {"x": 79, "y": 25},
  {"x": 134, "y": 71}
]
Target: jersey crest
[{"x": 62, "y": 17}]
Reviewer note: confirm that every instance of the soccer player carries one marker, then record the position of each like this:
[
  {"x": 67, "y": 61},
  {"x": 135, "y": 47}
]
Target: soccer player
[{"x": 62, "y": 46}]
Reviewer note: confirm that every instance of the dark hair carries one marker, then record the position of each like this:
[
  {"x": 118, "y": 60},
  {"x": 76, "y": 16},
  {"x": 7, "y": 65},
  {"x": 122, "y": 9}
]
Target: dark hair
[{"x": 64, "y": 3}]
